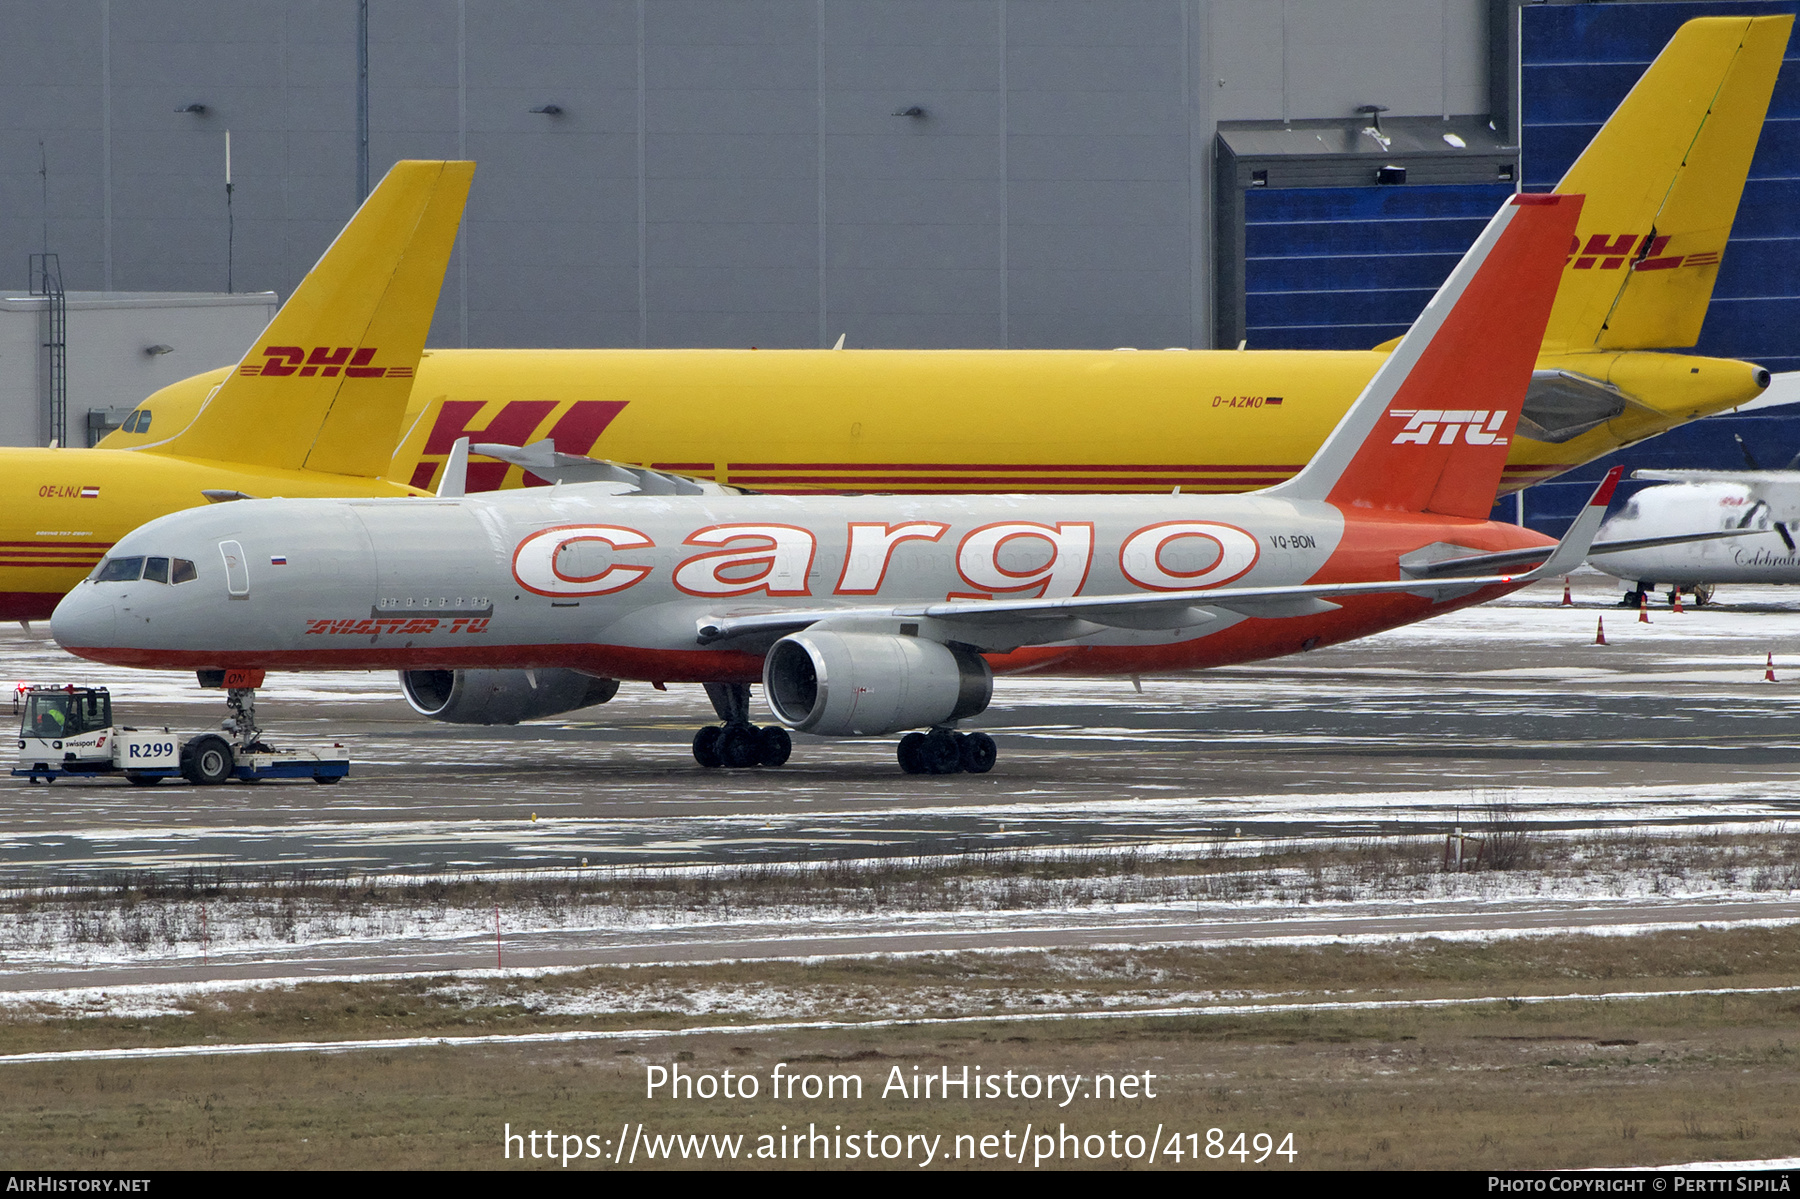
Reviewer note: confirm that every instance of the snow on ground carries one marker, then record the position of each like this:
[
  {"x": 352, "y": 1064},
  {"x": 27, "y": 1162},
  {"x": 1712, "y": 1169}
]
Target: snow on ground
[
  {"x": 1767, "y": 1163},
  {"x": 99, "y": 932}
]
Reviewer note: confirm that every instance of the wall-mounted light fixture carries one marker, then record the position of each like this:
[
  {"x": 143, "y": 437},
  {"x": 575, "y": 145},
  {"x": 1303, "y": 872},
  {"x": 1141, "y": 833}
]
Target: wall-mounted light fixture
[
  {"x": 549, "y": 110},
  {"x": 1390, "y": 174},
  {"x": 157, "y": 351},
  {"x": 913, "y": 111},
  {"x": 1373, "y": 112},
  {"x": 196, "y": 109}
]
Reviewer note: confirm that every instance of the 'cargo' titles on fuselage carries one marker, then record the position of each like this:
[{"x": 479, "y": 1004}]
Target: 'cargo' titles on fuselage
[{"x": 1013, "y": 558}]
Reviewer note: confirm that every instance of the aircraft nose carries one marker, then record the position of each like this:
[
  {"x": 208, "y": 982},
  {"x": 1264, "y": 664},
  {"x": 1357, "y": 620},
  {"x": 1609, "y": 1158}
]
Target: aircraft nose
[{"x": 83, "y": 622}]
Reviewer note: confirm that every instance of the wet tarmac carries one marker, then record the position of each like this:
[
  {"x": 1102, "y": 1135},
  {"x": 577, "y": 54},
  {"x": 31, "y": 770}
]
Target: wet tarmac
[{"x": 1670, "y": 723}]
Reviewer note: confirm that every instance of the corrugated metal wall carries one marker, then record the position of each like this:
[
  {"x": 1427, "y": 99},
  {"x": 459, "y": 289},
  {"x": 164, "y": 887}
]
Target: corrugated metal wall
[{"x": 723, "y": 172}]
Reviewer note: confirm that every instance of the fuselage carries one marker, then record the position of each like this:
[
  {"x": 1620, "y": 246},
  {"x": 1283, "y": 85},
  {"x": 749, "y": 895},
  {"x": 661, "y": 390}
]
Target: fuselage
[
  {"x": 64, "y": 508},
  {"x": 803, "y": 421},
  {"x": 1674, "y": 509},
  {"x": 620, "y": 586},
  {"x": 996, "y": 421}
]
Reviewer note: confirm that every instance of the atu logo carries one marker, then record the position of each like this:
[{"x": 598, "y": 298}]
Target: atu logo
[
  {"x": 1478, "y": 426},
  {"x": 325, "y": 362},
  {"x": 1606, "y": 252}
]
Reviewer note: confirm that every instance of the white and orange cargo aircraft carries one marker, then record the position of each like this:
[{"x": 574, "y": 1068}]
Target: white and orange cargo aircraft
[{"x": 879, "y": 614}]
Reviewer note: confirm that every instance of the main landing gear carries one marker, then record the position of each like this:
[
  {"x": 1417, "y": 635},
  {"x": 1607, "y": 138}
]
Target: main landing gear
[
  {"x": 738, "y": 743},
  {"x": 1635, "y": 597},
  {"x": 946, "y": 751}
]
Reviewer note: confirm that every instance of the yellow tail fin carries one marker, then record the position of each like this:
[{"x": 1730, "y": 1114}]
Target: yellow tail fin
[
  {"x": 325, "y": 386},
  {"x": 1662, "y": 180}
]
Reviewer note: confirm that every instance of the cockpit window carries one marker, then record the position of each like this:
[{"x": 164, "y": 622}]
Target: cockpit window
[
  {"x": 120, "y": 570},
  {"x": 151, "y": 570},
  {"x": 137, "y": 422}
]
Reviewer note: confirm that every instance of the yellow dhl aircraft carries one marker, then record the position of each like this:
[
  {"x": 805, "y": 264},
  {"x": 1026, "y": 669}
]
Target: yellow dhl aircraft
[
  {"x": 323, "y": 425},
  {"x": 1663, "y": 179}
]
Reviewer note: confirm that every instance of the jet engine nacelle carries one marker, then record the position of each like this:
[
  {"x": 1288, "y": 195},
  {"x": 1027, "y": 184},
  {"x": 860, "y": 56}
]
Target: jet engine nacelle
[
  {"x": 501, "y": 696},
  {"x": 864, "y": 684}
]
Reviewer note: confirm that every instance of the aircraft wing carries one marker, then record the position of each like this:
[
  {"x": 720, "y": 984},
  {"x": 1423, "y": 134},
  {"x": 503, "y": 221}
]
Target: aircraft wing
[
  {"x": 1475, "y": 563},
  {"x": 1600, "y": 548},
  {"x": 1748, "y": 478},
  {"x": 998, "y": 625}
]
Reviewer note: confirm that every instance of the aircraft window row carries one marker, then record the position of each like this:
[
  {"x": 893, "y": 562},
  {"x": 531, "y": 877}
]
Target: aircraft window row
[
  {"x": 151, "y": 570},
  {"x": 137, "y": 422}
]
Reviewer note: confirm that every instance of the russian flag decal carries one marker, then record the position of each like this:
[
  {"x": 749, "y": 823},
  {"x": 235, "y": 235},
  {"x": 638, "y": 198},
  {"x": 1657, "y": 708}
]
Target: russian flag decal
[{"x": 278, "y": 560}]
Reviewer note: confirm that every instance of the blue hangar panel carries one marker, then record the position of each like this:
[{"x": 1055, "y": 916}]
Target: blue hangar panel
[
  {"x": 1577, "y": 63},
  {"x": 1347, "y": 268}
]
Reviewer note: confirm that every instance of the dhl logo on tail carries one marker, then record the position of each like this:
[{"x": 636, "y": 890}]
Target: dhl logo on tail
[
  {"x": 325, "y": 362},
  {"x": 1606, "y": 252}
]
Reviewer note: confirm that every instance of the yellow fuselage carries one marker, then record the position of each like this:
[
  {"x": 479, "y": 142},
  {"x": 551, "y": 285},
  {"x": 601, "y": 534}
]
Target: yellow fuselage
[
  {"x": 984, "y": 420},
  {"x": 819, "y": 420}
]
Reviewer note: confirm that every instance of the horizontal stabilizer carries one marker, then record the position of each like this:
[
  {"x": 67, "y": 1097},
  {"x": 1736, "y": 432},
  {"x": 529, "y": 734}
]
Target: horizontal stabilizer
[{"x": 543, "y": 459}]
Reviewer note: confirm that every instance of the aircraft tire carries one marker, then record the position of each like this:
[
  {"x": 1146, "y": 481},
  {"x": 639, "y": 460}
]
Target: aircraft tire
[
  {"x": 978, "y": 753},
  {"x": 706, "y": 747},
  {"x": 207, "y": 761},
  {"x": 773, "y": 746},
  {"x": 941, "y": 753},
  {"x": 912, "y": 753},
  {"x": 738, "y": 746},
  {"x": 1703, "y": 594}
]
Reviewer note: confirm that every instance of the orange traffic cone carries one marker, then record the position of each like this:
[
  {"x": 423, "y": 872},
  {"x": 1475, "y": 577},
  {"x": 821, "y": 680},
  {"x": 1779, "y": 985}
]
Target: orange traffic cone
[
  {"x": 1676, "y": 606},
  {"x": 1600, "y": 632},
  {"x": 1769, "y": 670},
  {"x": 1643, "y": 608},
  {"x": 1568, "y": 600}
]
